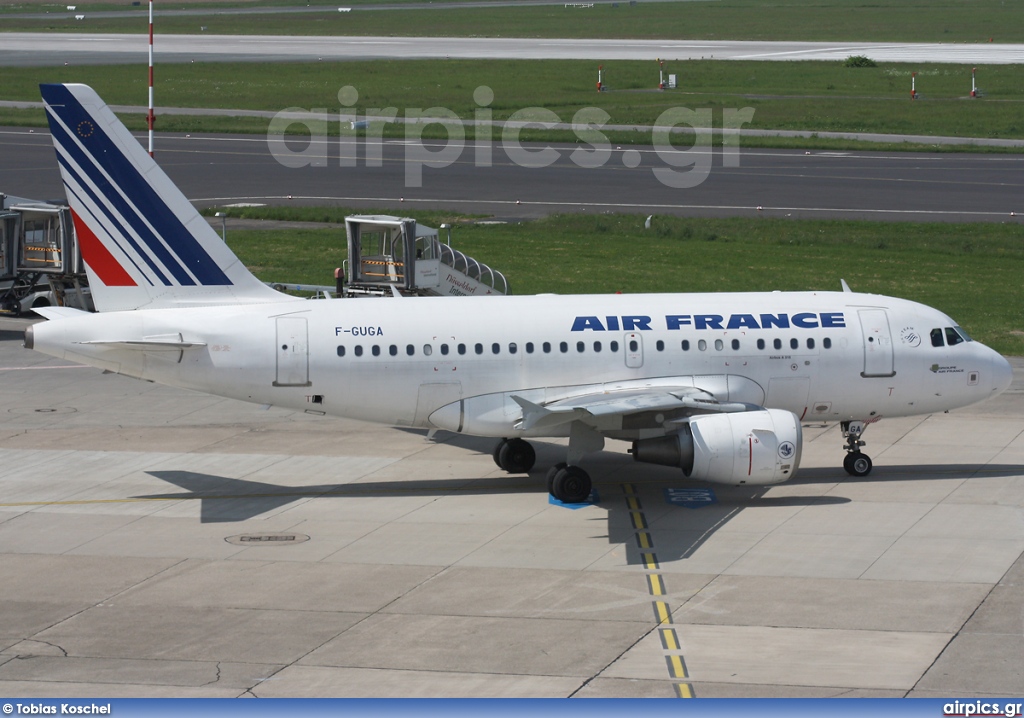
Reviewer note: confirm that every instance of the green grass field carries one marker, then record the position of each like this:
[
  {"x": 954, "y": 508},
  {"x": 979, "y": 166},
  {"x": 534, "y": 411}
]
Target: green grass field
[
  {"x": 849, "y": 20},
  {"x": 973, "y": 272},
  {"x": 813, "y": 96}
]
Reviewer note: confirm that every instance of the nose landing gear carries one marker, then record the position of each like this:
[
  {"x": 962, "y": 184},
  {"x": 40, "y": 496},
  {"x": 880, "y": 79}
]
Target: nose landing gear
[{"x": 856, "y": 462}]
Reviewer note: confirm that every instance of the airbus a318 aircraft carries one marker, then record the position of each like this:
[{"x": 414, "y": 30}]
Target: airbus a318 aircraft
[{"x": 715, "y": 384}]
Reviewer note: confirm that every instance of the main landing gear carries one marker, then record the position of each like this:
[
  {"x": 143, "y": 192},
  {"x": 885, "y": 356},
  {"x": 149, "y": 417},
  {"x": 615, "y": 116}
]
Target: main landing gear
[
  {"x": 568, "y": 484},
  {"x": 856, "y": 463}
]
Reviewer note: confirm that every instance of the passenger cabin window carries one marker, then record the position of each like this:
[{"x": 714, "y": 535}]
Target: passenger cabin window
[
  {"x": 580, "y": 346},
  {"x": 393, "y": 350},
  {"x": 760, "y": 343},
  {"x": 427, "y": 350},
  {"x": 444, "y": 349},
  {"x": 478, "y": 348},
  {"x": 512, "y": 348},
  {"x": 686, "y": 345},
  {"x": 597, "y": 347},
  {"x": 358, "y": 350},
  {"x": 736, "y": 344},
  {"x": 702, "y": 345},
  {"x": 719, "y": 345},
  {"x": 546, "y": 347},
  {"x": 794, "y": 343},
  {"x": 375, "y": 350},
  {"x": 777, "y": 344},
  {"x": 410, "y": 349},
  {"x": 936, "y": 335},
  {"x": 529, "y": 347},
  {"x": 659, "y": 345},
  {"x": 341, "y": 351},
  {"x": 827, "y": 343},
  {"x": 495, "y": 348},
  {"x": 563, "y": 347},
  {"x": 614, "y": 346},
  {"x": 810, "y": 344},
  {"x": 633, "y": 346},
  {"x": 462, "y": 348}
]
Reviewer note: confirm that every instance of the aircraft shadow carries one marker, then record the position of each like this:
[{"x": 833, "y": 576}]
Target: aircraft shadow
[{"x": 678, "y": 532}]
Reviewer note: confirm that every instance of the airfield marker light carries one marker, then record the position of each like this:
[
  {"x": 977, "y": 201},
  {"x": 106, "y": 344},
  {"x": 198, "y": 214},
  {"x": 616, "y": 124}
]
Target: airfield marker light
[
  {"x": 974, "y": 87},
  {"x": 150, "y": 118},
  {"x": 599, "y": 68},
  {"x": 661, "y": 74},
  {"x": 913, "y": 89},
  {"x": 223, "y": 225}
]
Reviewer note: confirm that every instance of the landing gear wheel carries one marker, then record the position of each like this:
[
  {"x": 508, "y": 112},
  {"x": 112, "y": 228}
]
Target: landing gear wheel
[
  {"x": 857, "y": 464},
  {"x": 571, "y": 485},
  {"x": 496, "y": 454},
  {"x": 516, "y": 456},
  {"x": 552, "y": 472}
]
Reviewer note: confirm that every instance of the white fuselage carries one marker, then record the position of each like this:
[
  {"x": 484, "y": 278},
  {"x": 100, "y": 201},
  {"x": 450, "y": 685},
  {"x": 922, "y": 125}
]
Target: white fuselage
[{"x": 826, "y": 356}]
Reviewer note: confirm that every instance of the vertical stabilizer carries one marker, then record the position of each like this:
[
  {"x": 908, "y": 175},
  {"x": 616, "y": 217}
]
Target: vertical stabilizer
[{"x": 144, "y": 244}]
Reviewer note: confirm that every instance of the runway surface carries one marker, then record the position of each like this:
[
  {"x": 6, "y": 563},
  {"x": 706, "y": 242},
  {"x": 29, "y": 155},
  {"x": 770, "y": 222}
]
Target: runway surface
[
  {"x": 218, "y": 170},
  {"x": 157, "y": 542},
  {"x": 95, "y": 48}
]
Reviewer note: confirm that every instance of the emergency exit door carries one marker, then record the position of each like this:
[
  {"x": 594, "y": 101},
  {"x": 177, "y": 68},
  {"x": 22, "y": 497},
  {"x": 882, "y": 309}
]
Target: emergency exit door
[{"x": 292, "y": 352}]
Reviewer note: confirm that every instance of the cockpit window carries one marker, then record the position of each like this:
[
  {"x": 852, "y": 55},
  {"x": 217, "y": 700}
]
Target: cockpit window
[
  {"x": 937, "y": 338},
  {"x": 952, "y": 337},
  {"x": 965, "y": 335}
]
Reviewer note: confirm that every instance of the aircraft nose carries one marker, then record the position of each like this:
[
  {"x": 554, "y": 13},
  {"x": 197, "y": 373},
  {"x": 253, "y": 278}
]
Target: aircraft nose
[{"x": 1002, "y": 372}]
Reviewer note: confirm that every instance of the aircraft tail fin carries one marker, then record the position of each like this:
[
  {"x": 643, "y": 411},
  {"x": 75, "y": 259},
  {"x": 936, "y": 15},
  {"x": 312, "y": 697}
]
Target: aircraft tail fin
[{"x": 144, "y": 244}]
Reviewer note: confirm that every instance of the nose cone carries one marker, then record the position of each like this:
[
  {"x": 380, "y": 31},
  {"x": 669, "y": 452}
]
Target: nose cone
[{"x": 1002, "y": 374}]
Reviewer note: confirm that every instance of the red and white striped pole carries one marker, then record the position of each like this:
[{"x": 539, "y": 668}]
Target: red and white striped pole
[
  {"x": 974, "y": 87},
  {"x": 150, "y": 118},
  {"x": 599, "y": 68}
]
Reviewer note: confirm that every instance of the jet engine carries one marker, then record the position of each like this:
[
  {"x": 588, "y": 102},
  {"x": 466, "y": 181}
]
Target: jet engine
[{"x": 752, "y": 447}]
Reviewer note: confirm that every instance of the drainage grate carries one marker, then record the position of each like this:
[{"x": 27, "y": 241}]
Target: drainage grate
[{"x": 282, "y": 538}]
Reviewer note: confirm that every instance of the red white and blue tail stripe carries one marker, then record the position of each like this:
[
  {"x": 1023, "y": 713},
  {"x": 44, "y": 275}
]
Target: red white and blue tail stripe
[{"x": 143, "y": 242}]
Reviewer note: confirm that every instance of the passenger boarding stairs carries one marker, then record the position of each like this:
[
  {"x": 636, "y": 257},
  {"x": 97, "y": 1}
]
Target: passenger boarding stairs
[{"x": 388, "y": 254}]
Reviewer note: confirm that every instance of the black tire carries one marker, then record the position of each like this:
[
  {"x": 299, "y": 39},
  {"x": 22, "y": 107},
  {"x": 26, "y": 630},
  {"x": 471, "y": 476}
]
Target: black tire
[
  {"x": 552, "y": 472},
  {"x": 496, "y": 454},
  {"x": 516, "y": 456},
  {"x": 857, "y": 464},
  {"x": 571, "y": 485}
]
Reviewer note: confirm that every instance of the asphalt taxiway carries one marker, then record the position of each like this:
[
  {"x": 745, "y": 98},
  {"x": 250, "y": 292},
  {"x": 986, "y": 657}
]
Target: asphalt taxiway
[
  {"x": 889, "y": 186},
  {"x": 157, "y": 542}
]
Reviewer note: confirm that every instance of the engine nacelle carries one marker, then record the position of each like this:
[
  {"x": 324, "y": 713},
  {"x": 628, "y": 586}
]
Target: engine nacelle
[{"x": 751, "y": 447}]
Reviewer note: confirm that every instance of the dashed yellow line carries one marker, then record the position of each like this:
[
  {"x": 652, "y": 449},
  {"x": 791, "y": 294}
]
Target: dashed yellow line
[
  {"x": 655, "y": 584},
  {"x": 684, "y": 690},
  {"x": 676, "y": 667},
  {"x": 669, "y": 639},
  {"x": 656, "y": 587},
  {"x": 661, "y": 612}
]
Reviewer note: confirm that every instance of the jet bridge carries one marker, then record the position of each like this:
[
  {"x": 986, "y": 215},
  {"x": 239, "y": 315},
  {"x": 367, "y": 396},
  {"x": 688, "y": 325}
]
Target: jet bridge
[
  {"x": 38, "y": 254},
  {"x": 387, "y": 254}
]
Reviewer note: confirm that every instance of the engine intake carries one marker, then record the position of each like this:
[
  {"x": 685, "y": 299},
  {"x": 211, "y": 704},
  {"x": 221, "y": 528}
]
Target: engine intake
[{"x": 753, "y": 447}]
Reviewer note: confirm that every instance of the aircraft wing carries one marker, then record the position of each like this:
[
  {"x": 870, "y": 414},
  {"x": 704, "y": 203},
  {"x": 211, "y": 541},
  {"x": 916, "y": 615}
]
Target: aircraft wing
[{"x": 595, "y": 408}]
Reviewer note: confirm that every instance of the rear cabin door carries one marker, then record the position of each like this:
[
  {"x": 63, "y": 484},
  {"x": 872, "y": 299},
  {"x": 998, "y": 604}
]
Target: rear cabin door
[{"x": 292, "y": 352}]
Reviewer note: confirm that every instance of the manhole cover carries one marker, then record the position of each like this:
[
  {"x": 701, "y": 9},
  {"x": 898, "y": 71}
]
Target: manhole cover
[
  {"x": 43, "y": 410},
  {"x": 282, "y": 538}
]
